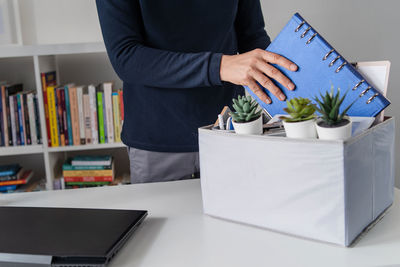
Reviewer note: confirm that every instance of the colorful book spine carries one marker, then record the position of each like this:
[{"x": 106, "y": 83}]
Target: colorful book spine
[
  {"x": 17, "y": 120},
  {"x": 105, "y": 119},
  {"x": 121, "y": 105},
  {"x": 88, "y": 124},
  {"x": 25, "y": 178},
  {"x": 100, "y": 117},
  {"x": 69, "y": 167},
  {"x": 117, "y": 122},
  {"x": 78, "y": 173},
  {"x": 60, "y": 116},
  {"x": 37, "y": 118},
  {"x": 109, "y": 111},
  {"x": 86, "y": 183},
  {"x": 46, "y": 108},
  {"x": 48, "y": 79},
  {"x": 32, "y": 119},
  {"x": 68, "y": 109},
  {"x": 6, "y": 188},
  {"x": 73, "y": 100},
  {"x": 6, "y": 112},
  {"x": 27, "y": 127},
  {"x": 52, "y": 116},
  {"x": 12, "y": 116},
  {"x": 3, "y": 127},
  {"x": 88, "y": 179},
  {"x": 64, "y": 116},
  {"x": 79, "y": 95},
  {"x": 93, "y": 114},
  {"x": 21, "y": 121}
]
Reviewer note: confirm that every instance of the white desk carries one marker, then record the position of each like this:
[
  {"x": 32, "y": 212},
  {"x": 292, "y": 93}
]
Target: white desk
[{"x": 176, "y": 233}]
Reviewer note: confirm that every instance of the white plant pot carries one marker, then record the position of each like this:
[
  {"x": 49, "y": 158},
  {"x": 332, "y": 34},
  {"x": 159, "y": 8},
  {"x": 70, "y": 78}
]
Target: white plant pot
[
  {"x": 334, "y": 133},
  {"x": 301, "y": 129},
  {"x": 253, "y": 127}
]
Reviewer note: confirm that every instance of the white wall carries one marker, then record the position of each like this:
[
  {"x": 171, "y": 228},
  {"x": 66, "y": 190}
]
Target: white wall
[
  {"x": 59, "y": 21},
  {"x": 360, "y": 30}
]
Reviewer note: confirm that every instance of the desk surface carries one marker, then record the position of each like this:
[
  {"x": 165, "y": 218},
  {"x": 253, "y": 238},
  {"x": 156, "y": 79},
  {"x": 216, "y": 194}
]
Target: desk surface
[{"x": 176, "y": 233}]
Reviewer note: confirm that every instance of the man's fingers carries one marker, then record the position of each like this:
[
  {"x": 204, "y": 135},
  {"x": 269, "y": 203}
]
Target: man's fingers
[
  {"x": 280, "y": 60},
  {"x": 274, "y": 73},
  {"x": 268, "y": 84},
  {"x": 259, "y": 92}
]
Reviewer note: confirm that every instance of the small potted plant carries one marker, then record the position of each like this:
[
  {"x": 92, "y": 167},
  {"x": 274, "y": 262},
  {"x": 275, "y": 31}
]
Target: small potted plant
[
  {"x": 301, "y": 123},
  {"x": 246, "y": 119},
  {"x": 333, "y": 125}
]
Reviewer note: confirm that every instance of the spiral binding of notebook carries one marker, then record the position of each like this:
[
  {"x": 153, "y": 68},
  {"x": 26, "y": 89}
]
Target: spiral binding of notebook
[{"x": 320, "y": 67}]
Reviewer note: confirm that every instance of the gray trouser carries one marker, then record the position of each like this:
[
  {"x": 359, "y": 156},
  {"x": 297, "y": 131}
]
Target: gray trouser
[{"x": 148, "y": 166}]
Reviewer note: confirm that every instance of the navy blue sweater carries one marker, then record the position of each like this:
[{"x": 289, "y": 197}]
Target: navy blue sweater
[{"x": 168, "y": 55}]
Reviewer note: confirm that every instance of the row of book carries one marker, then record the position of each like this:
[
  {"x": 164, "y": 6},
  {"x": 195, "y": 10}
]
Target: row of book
[
  {"x": 14, "y": 178},
  {"x": 19, "y": 116},
  {"x": 77, "y": 115},
  {"x": 88, "y": 171}
]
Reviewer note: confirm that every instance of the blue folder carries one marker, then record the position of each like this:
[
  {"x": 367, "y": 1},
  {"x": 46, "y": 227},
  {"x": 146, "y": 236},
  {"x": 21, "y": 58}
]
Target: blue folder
[{"x": 320, "y": 67}]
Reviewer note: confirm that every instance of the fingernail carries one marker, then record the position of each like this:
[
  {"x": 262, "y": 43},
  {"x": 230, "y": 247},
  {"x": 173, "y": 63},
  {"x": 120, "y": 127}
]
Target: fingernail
[
  {"x": 282, "y": 97},
  {"x": 293, "y": 67},
  {"x": 267, "y": 100},
  {"x": 291, "y": 86}
]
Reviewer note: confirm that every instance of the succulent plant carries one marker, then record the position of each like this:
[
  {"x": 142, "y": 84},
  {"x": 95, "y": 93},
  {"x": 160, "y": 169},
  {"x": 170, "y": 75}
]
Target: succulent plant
[
  {"x": 329, "y": 106},
  {"x": 299, "y": 109},
  {"x": 246, "y": 109}
]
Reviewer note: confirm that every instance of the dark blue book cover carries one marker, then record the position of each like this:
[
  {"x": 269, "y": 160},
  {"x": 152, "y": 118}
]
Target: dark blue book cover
[
  {"x": 1, "y": 122},
  {"x": 9, "y": 170},
  {"x": 6, "y": 188},
  {"x": 20, "y": 120},
  {"x": 37, "y": 119}
]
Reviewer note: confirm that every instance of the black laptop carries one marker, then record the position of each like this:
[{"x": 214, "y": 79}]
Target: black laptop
[{"x": 63, "y": 236}]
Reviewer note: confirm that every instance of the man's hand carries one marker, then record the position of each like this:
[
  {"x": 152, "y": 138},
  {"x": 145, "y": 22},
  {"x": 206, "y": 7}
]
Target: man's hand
[{"x": 252, "y": 67}]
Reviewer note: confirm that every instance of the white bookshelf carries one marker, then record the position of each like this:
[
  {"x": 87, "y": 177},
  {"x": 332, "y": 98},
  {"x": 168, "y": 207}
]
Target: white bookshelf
[{"x": 84, "y": 63}]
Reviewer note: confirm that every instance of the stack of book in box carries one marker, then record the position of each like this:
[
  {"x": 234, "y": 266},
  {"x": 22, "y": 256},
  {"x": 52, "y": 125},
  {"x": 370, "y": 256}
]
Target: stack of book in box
[
  {"x": 88, "y": 171},
  {"x": 13, "y": 176}
]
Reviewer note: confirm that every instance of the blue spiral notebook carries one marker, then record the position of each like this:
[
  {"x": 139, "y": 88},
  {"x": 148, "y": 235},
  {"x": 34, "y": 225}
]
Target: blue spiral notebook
[{"x": 320, "y": 67}]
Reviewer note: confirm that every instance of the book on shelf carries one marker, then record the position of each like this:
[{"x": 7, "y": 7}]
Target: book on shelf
[
  {"x": 100, "y": 116},
  {"x": 87, "y": 179},
  {"x": 5, "y": 188},
  {"x": 92, "y": 161},
  {"x": 69, "y": 167},
  {"x": 88, "y": 171},
  {"x": 24, "y": 179},
  {"x": 48, "y": 79},
  {"x": 79, "y": 96},
  {"x": 12, "y": 176},
  {"x": 16, "y": 176},
  {"x": 88, "y": 184},
  {"x": 68, "y": 113},
  {"x": 51, "y": 99},
  {"x": 81, "y": 114},
  {"x": 9, "y": 170},
  {"x": 19, "y": 118}
]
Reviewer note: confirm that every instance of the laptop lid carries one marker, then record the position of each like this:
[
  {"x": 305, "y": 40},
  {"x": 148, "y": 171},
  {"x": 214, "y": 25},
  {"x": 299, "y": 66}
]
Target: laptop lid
[{"x": 64, "y": 236}]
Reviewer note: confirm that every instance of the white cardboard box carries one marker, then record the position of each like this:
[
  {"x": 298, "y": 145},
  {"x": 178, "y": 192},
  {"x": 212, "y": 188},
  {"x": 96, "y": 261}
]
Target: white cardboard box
[{"x": 323, "y": 190}]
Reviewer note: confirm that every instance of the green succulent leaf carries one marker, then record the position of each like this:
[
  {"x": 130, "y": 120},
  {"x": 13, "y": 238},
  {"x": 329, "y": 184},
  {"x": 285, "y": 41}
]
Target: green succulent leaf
[
  {"x": 299, "y": 109},
  {"x": 246, "y": 109}
]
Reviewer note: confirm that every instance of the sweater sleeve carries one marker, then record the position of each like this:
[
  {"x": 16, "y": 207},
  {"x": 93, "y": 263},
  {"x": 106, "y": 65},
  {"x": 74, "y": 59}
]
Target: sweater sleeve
[
  {"x": 249, "y": 26},
  {"x": 134, "y": 62}
]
